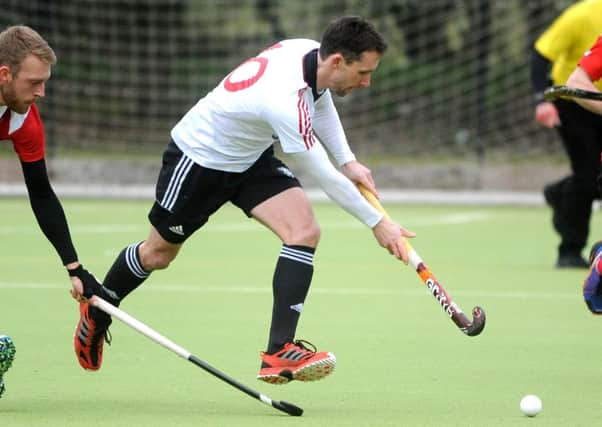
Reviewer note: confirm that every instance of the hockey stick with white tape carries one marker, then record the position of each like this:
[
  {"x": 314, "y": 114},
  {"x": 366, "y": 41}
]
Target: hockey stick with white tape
[{"x": 137, "y": 325}]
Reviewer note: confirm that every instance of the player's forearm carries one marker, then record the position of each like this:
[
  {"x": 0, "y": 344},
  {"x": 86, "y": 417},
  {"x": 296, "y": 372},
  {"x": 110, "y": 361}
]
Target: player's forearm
[
  {"x": 53, "y": 223},
  {"x": 540, "y": 67},
  {"x": 337, "y": 186},
  {"x": 48, "y": 211},
  {"x": 580, "y": 79},
  {"x": 336, "y": 143}
]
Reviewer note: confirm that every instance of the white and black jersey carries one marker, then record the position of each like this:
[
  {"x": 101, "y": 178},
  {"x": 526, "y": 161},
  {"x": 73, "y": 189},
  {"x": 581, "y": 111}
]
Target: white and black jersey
[
  {"x": 274, "y": 96},
  {"x": 265, "y": 97}
]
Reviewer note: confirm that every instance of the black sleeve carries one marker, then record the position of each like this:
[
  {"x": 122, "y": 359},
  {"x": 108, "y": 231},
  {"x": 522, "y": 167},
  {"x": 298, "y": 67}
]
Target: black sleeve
[
  {"x": 48, "y": 210},
  {"x": 540, "y": 74}
]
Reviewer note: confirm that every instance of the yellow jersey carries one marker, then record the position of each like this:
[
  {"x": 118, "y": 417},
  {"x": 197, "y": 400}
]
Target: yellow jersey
[{"x": 570, "y": 35}]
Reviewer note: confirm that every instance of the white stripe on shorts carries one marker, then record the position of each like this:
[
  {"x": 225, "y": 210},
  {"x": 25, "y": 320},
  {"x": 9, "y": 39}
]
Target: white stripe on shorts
[{"x": 175, "y": 183}]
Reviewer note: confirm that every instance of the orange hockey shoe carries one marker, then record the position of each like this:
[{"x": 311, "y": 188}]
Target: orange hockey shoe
[
  {"x": 89, "y": 338},
  {"x": 295, "y": 361}
]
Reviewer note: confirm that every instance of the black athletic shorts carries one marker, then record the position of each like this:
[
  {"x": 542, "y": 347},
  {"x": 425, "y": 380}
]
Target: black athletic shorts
[{"x": 187, "y": 193}]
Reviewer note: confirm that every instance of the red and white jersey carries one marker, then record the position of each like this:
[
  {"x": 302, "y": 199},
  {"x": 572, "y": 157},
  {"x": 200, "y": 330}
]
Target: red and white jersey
[
  {"x": 26, "y": 131},
  {"x": 266, "y": 97},
  {"x": 592, "y": 61}
]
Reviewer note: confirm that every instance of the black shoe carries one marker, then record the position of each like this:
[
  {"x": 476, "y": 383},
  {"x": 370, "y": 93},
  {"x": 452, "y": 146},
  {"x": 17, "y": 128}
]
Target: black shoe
[{"x": 571, "y": 261}]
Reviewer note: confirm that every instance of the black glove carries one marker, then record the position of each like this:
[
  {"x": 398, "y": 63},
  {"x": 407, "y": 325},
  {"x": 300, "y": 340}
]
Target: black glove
[
  {"x": 91, "y": 285},
  {"x": 599, "y": 182}
]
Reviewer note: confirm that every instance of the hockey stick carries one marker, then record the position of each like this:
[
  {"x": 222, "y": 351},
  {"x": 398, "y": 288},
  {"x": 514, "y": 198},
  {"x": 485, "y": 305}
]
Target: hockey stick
[
  {"x": 133, "y": 323},
  {"x": 556, "y": 92},
  {"x": 434, "y": 287}
]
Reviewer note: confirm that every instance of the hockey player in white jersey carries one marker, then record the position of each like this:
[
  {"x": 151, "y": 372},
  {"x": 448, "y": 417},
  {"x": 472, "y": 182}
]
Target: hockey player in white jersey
[{"x": 222, "y": 151}]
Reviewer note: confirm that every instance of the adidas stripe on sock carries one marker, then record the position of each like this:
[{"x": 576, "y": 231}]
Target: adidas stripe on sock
[
  {"x": 126, "y": 273},
  {"x": 292, "y": 278}
]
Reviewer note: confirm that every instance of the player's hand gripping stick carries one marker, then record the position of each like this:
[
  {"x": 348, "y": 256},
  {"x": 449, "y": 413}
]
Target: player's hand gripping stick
[{"x": 434, "y": 287}]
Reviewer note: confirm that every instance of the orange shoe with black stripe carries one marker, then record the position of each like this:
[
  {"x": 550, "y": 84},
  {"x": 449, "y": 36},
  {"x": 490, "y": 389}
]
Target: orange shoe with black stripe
[
  {"x": 295, "y": 361},
  {"x": 90, "y": 335}
]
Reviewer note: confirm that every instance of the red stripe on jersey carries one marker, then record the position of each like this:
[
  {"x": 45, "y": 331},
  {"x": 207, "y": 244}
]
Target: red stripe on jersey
[
  {"x": 591, "y": 62},
  {"x": 301, "y": 111},
  {"x": 28, "y": 140},
  {"x": 309, "y": 128},
  {"x": 305, "y": 128}
]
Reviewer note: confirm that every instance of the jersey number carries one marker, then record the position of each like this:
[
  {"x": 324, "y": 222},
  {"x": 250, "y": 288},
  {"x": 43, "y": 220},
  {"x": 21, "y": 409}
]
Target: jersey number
[{"x": 235, "y": 86}]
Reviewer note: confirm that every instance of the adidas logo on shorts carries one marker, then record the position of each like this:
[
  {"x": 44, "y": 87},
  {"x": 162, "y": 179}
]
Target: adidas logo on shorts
[
  {"x": 285, "y": 171},
  {"x": 177, "y": 229}
]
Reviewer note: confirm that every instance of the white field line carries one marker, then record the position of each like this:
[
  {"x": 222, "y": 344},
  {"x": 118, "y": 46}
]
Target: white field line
[
  {"x": 389, "y": 196},
  {"x": 244, "y": 226},
  {"x": 416, "y": 291}
]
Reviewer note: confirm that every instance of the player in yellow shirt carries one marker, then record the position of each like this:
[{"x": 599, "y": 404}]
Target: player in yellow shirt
[{"x": 555, "y": 56}]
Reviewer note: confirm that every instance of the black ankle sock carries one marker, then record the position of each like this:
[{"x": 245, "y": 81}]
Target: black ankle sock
[
  {"x": 292, "y": 278},
  {"x": 126, "y": 273}
]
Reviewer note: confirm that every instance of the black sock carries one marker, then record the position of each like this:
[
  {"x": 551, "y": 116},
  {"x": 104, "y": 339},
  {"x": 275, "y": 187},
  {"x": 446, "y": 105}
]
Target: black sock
[
  {"x": 126, "y": 273},
  {"x": 292, "y": 278}
]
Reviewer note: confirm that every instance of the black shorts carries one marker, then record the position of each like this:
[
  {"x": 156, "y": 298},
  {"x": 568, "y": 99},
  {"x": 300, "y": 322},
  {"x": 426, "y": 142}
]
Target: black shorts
[{"x": 187, "y": 193}]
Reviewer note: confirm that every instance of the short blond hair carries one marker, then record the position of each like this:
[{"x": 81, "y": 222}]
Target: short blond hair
[{"x": 18, "y": 42}]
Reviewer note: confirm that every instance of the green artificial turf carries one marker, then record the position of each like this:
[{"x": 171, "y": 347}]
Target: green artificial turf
[{"x": 400, "y": 360}]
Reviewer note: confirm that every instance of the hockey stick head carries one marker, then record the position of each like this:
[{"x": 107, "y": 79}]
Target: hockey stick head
[
  {"x": 478, "y": 322},
  {"x": 289, "y": 408},
  {"x": 471, "y": 329}
]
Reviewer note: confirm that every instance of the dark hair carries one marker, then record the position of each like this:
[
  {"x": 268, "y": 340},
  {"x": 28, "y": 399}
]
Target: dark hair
[{"x": 351, "y": 36}]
